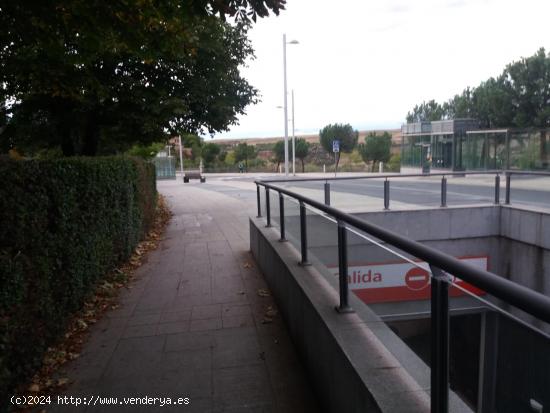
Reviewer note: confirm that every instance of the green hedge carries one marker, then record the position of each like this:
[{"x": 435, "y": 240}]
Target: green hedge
[{"x": 63, "y": 224}]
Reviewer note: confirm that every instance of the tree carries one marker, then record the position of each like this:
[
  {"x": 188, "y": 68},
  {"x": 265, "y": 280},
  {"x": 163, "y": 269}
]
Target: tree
[
  {"x": 377, "y": 148},
  {"x": 529, "y": 83},
  {"x": 146, "y": 152},
  {"x": 100, "y": 76},
  {"x": 426, "y": 112},
  {"x": 244, "y": 152},
  {"x": 302, "y": 150},
  {"x": 343, "y": 133},
  {"x": 209, "y": 152},
  {"x": 190, "y": 140},
  {"x": 279, "y": 152}
]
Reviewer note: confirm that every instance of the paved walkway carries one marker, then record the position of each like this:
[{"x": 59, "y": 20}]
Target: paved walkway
[{"x": 196, "y": 323}]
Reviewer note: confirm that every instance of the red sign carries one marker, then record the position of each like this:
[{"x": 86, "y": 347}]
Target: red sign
[{"x": 402, "y": 281}]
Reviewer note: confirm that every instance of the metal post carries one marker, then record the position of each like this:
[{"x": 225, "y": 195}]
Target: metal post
[
  {"x": 293, "y": 139},
  {"x": 258, "y": 201},
  {"x": 439, "y": 390},
  {"x": 303, "y": 234},
  {"x": 267, "y": 208},
  {"x": 327, "y": 193},
  {"x": 497, "y": 189},
  {"x": 386, "y": 194},
  {"x": 285, "y": 105},
  {"x": 282, "y": 216},
  {"x": 443, "y": 191},
  {"x": 508, "y": 182},
  {"x": 343, "y": 269}
]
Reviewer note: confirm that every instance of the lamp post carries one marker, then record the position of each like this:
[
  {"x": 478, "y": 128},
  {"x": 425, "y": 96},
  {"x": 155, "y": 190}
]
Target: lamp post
[
  {"x": 293, "y": 139},
  {"x": 285, "y": 99},
  {"x": 293, "y": 135}
]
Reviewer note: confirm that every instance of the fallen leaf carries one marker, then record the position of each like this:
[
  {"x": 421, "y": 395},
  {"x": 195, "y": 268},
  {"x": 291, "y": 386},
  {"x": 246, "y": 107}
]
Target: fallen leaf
[
  {"x": 62, "y": 382},
  {"x": 247, "y": 265},
  {"x": 34, "y": 388},
  {"x": 262, "y": 292},
  {"x": 271, "y": 313}
]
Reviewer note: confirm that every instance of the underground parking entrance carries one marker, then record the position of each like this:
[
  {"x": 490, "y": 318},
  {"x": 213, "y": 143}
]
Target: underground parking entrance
[{"x": 498, "y": 355}]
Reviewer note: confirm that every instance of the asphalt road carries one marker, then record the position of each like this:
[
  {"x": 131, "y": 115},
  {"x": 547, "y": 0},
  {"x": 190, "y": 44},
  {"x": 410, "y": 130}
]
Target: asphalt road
[
  {"x": 428, "y": 192},
  {"x": 420, "y": 191}
]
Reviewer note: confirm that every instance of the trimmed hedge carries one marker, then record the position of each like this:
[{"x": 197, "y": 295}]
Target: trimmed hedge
[{"x": 63, "y": 225}]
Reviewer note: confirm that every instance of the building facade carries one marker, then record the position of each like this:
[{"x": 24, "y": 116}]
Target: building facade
[{"x": 459, "y": 144}]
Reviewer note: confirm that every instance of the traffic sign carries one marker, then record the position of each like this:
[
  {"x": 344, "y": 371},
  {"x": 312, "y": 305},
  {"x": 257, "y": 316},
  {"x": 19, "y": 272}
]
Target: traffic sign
[
  {"x": 401, "y": 281},
  {"x": 335, "y": 146}
]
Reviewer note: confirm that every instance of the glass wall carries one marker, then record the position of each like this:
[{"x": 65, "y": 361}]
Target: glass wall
[
  {"x": 480, "y": 150},
  {"x": 442, "y": 151},
  {"x": 529, "y": 149},
  {"x": 411, "y": 150}
]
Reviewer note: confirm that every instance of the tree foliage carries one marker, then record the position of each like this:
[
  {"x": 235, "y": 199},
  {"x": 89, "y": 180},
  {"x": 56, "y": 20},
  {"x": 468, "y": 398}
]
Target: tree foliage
[
  {"x": 209, "y": 152},
  {"x": 518, "y": 97},
  {"x": 342, "y": 132},
  {"x": 244, "y": 152},
  {"x": 377, "y": 148},
  {"x": 426, "y": 112},
  {"x": 93, "y": 76},
  {"x": 302, "y": 150},
  {"x": 279, "y": 152}
]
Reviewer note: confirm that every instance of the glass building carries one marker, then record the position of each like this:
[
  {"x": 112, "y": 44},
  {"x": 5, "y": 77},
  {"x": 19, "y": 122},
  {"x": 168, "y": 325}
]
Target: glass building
[{"x": 459, "y": 144}]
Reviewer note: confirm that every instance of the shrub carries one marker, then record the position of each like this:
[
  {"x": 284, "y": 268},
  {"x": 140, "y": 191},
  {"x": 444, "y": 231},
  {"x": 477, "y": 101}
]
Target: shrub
[
  {"x": 394, "y": 164},
  {"x": 63, "y": 224}
]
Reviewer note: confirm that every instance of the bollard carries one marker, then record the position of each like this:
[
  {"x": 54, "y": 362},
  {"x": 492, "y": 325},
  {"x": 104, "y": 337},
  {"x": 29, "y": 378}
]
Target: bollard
[
  {"x": 327, "y": 193},
  {"x": 386, "y": 194},
  {"x": 508, "y": 183},
  {"x": 443, "y": 191},
  {"x": 497, "y": 189}
]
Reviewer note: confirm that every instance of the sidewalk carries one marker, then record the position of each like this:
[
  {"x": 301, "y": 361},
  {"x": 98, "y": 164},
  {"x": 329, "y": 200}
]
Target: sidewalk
[{"x": 197, "y": 323}]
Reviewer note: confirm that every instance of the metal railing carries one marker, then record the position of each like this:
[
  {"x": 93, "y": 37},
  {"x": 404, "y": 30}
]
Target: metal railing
[
  {"x": 441, "y": 264},
  {"x": 497, "y": 173}
]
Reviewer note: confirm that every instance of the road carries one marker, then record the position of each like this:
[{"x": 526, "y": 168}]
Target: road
[
  {"x": 532, "y": 191},
  {"x": 428, "y": 192}
]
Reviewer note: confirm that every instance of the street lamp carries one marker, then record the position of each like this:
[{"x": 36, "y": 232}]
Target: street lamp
[
  {"x": 285, "y": 97},
  {"x": 293, "y": 136}
]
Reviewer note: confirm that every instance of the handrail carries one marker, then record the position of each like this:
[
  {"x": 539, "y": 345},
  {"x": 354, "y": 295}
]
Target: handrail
[
  {"x": 398, "y": 175},
  {"x": 440, "y": 263},
  {"x": 521, "y": 297}
]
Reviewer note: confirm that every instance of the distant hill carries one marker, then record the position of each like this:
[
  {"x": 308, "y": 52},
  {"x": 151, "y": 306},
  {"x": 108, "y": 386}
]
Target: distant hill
[{"x": 396, "y": 138}]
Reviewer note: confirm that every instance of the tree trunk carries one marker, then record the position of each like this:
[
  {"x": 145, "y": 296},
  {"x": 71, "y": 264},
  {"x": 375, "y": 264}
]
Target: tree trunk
[
  {"x": 373, "y": 165},
  {"x": 303, "y": 167},
  {"x": 91, "y": 135},
  {"x": 67, "y": 144}
]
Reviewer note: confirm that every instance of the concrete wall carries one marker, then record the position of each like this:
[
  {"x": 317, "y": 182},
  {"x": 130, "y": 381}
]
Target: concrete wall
[{"x": 356, "y": 363}]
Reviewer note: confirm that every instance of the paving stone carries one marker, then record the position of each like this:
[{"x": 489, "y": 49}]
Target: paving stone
[
  {"x": 206, "y": 324},
  {"x": 140, "y": 331},
  {"x": 174, "y": 327},
  {"x": 206, "y": 311},
  {"x": 172, "y": 317},
  {"x": 190, "y": 323}
]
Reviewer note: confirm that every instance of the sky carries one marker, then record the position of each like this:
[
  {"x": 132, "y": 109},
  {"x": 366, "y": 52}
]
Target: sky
[{"x": 368, "y": 62}]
